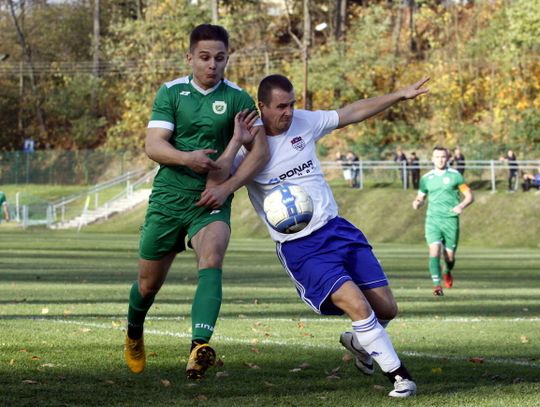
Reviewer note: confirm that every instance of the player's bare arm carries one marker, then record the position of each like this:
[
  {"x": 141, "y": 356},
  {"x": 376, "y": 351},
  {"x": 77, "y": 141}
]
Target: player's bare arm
[
  {"x": 365, "y": 108},
  {"x": 468, "y": 198},
  {"x": 214, "y": 195},
  {"x": 159, "y": 149},
  {"x": 419, "y": 200}
]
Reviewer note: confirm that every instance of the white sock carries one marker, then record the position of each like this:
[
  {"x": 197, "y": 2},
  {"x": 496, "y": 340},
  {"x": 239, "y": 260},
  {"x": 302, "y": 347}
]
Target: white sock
[{"x": 373, "y": 338}]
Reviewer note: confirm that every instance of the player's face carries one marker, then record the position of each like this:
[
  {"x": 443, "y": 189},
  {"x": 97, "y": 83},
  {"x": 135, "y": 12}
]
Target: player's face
[
  {"x": 208, "y": 61},
  {"x": 278, "y": 114},
  {"x": 439, "y": 158}
]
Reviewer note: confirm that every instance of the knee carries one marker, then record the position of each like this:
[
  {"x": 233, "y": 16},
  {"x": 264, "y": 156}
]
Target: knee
[
  {"x": 388, "y": 312},
  {"x": 148, "y": 289},
  {"x": 213, "y": 260}
]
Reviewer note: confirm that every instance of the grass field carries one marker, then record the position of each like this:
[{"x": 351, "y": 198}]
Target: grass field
[{"x": 63, "y": 300}]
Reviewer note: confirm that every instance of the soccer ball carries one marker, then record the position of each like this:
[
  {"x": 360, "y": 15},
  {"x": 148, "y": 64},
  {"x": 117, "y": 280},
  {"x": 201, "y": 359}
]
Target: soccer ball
[{"x": 288, "y": 208}]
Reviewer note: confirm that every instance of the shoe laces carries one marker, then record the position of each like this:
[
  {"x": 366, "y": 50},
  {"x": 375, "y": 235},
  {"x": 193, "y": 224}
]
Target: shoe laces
[{"x": 136, "y": 349}]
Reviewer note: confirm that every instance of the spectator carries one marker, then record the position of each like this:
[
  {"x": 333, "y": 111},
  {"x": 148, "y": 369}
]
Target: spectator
[
  {"x": 345, "y": 166},
  {"x": 4, "y": 205},
  {"x": 401, "y": 159},
  {"x": 458, "y": 160},
  {"x": 28, "y": 145},
  {"x": 531, "y": 181},
  {"x": 513, "y": 168},
  {"x": 414, "y": 169},
  {"x": 354, "y": 163}
]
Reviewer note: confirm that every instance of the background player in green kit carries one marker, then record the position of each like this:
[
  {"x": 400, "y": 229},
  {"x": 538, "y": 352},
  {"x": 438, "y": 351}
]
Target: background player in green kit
[
  {"x": 4, "y": 206},
  {"x": 442, "y": 186},
  {"x": 192, "y": 123}
]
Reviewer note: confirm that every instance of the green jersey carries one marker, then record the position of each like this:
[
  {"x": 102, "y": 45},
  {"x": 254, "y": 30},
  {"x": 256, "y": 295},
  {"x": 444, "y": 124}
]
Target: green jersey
[
  {"x": 3, "y": 199},
  {"x": 199, "y": 119},
  {"x": 442, "y": 190}
]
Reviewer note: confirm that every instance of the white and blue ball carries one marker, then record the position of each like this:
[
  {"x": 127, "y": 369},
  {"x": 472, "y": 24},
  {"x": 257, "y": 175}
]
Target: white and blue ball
[{"x": 288, "y": 208}]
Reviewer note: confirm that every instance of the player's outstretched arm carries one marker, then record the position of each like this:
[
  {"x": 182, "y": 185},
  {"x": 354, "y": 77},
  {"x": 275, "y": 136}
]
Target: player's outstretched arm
[
  {"x": 159, "y": 149},
  {"x": 365, "y": 108}
]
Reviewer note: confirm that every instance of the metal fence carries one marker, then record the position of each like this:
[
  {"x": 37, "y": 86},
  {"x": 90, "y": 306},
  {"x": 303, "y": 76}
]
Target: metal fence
[
  {"x": 482, "y": 174},
  {"x": 59, "y": 167}
]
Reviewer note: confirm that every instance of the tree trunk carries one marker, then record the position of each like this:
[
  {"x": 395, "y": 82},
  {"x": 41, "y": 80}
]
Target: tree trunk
[
  {"x": 95, "y": 51},
  {"x": 27, "y": 53},
  {"x": 215, "y": 11}
]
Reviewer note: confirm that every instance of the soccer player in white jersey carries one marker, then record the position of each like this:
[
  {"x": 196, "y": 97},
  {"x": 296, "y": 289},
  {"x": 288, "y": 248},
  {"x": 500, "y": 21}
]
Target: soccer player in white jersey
[{"x": 330, "y": 261}]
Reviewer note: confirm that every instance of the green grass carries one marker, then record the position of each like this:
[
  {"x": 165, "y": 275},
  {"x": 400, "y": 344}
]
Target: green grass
[{"x": 63, "y": 300}]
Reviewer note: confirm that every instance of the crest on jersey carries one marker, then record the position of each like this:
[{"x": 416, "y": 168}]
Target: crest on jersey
[
  {"x": 446, "y": 180},
  {"x": 219, "y": 107},
  {"x": 298, "y": 143}
]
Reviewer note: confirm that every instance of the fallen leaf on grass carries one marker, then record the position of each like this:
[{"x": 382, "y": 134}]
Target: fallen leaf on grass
[
  {"x": 378, "y": 387},
  {"x": 304, "y": 365},
  {"x": 165, "y": 383},
  {"x": 109, "y": 382},
  {"x": 67, "y": 312},
  {"x": 152, "y": 354},
  {"x": 301, "y": 325},
  {"x": 222, "y": 374},
  {"x": 30, "y": 382},
  {"x": 36, "y": 358},
  {"x": 23, "y": 350},
  {"x": 44, "y": 311},
  {"x": 347, "y": 357},
  {"x": 255, "y": 350},
  {"x": 476, "y": 360},
  {"x": 517, "y": 380},
  {"x": 84, "y": 330},
  {"x": 201, "y": 397},
  {"x": 48, "y": 365},
  {"x": 524, "y": 339},
  {"x": 296, "y": 369},
  {"x": 436, "y": 370},
  {"x": 12, "y": 362},
  {"x": 251, "y": 365},
  {"x": 116, "y": 324},
  {"x": 268, "y": 384}
]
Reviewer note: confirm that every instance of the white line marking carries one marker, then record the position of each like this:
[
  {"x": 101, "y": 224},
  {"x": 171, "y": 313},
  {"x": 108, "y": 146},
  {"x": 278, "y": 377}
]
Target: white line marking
[{"x": 266, "y": 341}]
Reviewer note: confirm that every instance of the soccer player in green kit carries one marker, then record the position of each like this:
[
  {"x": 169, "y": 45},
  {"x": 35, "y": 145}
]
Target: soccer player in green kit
[
  {"x": 192, "y": 123},
  {"x": 442, "y": 186}
]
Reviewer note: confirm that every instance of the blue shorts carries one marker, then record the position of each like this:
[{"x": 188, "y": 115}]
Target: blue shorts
[{"x": 320, "y": 263}]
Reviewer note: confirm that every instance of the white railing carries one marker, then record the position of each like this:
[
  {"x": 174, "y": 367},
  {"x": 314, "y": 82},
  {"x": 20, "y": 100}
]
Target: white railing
[{"x": 475, "y": 170}]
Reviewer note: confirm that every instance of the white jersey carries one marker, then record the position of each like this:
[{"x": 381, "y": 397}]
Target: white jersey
[{"x": 293, "y": 158}]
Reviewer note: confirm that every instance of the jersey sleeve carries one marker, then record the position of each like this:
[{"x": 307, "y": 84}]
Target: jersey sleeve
[
  {"x": 162, "y": 110},
  {"x": 324, "y": 121},
  {"x": 422, "y": 187},
  {"x": 244, "y": 101}
]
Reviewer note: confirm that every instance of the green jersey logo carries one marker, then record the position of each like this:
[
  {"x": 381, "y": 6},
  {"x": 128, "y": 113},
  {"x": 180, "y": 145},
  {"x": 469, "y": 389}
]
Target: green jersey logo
[{"x": 219, "y": 107}]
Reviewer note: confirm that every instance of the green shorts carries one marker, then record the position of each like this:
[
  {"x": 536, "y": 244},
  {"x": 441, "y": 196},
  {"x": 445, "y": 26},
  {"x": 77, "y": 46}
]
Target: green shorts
[
  {"x": 444, "y": 230},
  {"x": 165, "y": 229}
]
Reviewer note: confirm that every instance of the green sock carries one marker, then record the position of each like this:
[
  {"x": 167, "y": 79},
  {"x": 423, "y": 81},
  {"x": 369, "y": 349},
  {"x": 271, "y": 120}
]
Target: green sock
[
  {"x": 206, "y": 304},
  {"x": 449, "y": 265},
  {"x": 435, "y": 270},
  {"x": 138, "y": 307}
]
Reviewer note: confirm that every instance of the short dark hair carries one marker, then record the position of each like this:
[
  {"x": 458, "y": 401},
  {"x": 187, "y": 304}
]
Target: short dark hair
[
  {"x": 441, "y": 148},
  {"x": 208, "y": 32},
  {"x": 270, "y": 83}
]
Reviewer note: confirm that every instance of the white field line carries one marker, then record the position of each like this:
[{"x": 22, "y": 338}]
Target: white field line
[{"x": 266, "y": 341}]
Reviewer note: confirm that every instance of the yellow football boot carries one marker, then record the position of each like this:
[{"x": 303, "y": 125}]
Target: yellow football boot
[
  {"x": 201, "y": 358},
  {"x": 134, "y": 354}
]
